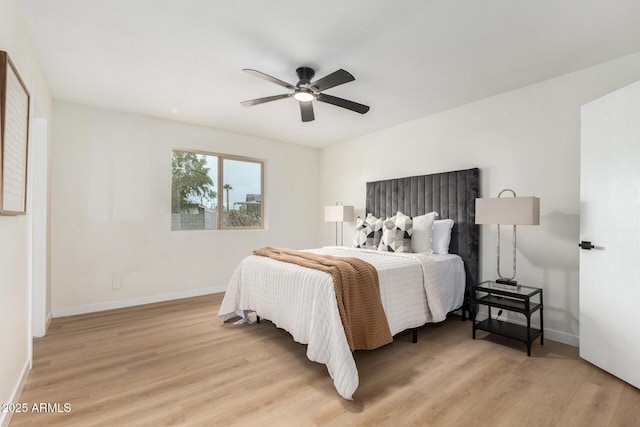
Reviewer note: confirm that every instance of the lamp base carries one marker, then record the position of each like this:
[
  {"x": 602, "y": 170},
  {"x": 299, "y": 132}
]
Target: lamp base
[{"x": 507, "y": 282}]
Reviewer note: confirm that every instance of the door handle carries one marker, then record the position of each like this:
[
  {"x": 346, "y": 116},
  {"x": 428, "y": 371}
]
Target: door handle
[{"x": 586, "y": 245}]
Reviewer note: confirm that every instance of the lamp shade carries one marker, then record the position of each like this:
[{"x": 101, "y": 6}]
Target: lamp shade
[
  {"x": 508, "y": 211},
  {"x": 338, "y": 213}
]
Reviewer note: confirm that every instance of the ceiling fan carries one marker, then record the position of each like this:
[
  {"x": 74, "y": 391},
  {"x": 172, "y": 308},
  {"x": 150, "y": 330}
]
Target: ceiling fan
[{"x": 306, "y": 91}]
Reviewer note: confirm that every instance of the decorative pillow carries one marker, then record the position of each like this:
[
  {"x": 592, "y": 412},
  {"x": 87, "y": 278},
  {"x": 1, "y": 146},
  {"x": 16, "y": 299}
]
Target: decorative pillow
[
  {"x": 368, "y": 232},
  {"x": 441, "y": 236},
  {"x": 422, "y": 232},
  {"x": 360, "y": 234},
  {"x": 396, "y": 234}
]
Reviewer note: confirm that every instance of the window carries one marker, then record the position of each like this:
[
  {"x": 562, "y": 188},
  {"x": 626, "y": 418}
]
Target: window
[{"x": 216, "y": 191}]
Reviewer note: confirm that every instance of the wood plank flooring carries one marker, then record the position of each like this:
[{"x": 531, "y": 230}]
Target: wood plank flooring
[{"x": 174, "y": 363}]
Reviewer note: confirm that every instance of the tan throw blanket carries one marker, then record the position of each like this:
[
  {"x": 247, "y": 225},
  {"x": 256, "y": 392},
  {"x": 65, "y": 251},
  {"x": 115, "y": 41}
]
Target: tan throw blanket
[{"x": 357, "y": 292}]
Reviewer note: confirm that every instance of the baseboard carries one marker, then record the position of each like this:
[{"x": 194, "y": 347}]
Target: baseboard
[
  {"x": 562, "y": 337},
  {"x": 48, "y": 322},
  {"x": 123, "y": 303},
  {"x": 553, "y": 335},
  {"x": 5, "y": 417}
]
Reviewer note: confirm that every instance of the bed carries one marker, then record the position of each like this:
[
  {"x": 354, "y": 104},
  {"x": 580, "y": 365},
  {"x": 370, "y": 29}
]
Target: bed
[{"x": 302, "y": 301}]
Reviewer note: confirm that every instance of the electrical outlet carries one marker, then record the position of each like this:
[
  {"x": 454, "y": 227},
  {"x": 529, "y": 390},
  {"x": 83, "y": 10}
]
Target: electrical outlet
[{"x": 115, "y": 283}]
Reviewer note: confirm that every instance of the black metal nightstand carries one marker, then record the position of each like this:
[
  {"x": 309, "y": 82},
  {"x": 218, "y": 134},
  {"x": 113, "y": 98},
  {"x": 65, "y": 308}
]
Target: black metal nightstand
[{"x": 520, "y": 299}]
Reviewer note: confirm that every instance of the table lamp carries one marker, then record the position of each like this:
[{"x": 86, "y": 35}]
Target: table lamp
[{"x": 508, "y": 211}]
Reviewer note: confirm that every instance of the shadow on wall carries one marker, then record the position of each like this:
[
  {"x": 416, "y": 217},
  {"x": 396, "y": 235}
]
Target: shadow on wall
[
  {"x": 558, "y": 260},
  {"x": 553, "y": 246}
]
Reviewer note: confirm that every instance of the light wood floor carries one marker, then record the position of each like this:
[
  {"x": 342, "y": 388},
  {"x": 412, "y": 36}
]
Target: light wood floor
[{"x": 174, "y": 363}]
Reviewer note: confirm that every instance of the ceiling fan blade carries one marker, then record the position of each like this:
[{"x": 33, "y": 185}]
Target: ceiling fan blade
[
  {"x": 334, "y": 79},
  {"x": 268, "y": 78},
  {"x": 265, "y": 99},
  {"x": 306, "y": 110},
  {"x": 344, "y": 103}
]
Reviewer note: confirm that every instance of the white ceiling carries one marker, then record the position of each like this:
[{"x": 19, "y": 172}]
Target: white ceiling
[{"x": 181, "y": 59}]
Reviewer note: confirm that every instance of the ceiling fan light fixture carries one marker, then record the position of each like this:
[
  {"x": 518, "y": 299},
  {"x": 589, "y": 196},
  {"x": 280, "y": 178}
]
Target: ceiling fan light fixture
[{"x": 303, "y": 96}]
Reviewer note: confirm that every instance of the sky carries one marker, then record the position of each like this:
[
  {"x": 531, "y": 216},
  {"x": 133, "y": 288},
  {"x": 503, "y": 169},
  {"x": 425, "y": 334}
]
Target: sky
[{"x": 244, "y": 178}]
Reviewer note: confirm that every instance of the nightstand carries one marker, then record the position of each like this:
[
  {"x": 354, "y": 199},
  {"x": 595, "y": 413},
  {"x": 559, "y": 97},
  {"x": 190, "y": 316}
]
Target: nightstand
[{"x": 519, "y": 299}]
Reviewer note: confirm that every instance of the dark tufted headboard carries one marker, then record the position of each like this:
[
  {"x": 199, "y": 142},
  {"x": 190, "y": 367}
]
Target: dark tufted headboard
[{"x": 451, "y": 194}]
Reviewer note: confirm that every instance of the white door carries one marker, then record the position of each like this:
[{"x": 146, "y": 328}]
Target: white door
[{"x": 610, "y": 220}]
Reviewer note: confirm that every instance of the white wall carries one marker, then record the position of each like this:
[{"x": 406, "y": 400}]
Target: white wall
[
  {"x": 527, "y": 140},
  {"x": 15, "y": 232},
  {"x": 111, "y": 202}
]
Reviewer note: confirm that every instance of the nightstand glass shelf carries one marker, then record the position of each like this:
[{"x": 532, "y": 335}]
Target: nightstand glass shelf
[{"x": 519, "y": 299}]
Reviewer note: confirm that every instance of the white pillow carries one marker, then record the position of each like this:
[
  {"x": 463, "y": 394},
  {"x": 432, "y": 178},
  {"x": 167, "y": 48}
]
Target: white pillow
[
  {"x": 422, "y": 232},
  {"x": 441, "y": 236}
]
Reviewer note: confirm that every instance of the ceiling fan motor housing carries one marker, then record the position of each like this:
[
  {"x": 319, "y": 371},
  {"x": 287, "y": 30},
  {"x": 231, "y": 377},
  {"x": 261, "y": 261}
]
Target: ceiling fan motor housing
[{"x": 305, "y": 74}]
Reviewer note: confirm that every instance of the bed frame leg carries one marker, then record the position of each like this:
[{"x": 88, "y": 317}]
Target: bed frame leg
[
  {"x": 466, "y": 307},
  {"x": 415, "y": 335},
  {"x": 257, "y": 319}
]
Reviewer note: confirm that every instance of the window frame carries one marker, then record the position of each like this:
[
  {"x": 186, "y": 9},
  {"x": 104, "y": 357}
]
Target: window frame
[{"x": 219, "y": 188}]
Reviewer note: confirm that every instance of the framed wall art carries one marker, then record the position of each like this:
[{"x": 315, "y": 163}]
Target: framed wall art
[{"x": 14, "y": 135}]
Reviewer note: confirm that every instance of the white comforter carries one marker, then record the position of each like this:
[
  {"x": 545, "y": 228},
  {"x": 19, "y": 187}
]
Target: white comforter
[{"x": 302, "y": 301}]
